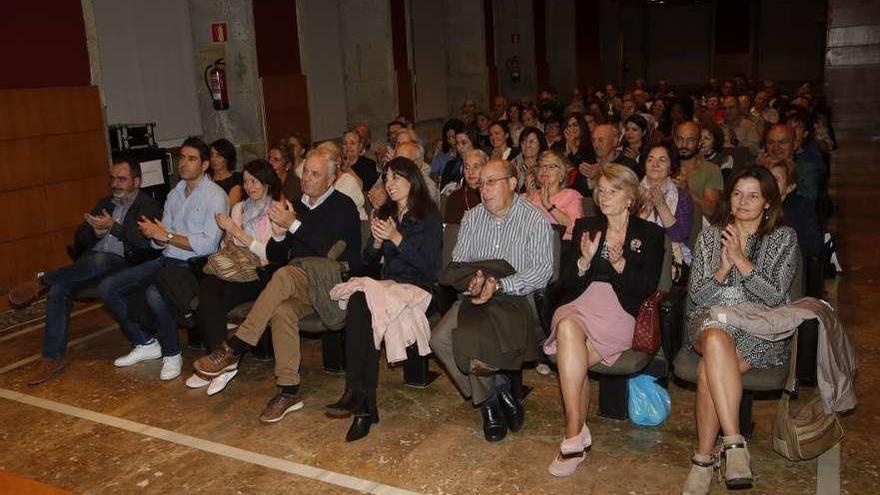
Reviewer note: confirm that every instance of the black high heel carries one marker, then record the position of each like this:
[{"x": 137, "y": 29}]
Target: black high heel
[{"x": 365, "y": 416}]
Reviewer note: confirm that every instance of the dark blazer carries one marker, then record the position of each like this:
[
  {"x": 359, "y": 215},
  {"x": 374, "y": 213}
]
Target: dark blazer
[
  {"x": 335, "y": 219},
  {"x": 367, "y": 171},
  {"x": 640, "y": 276},
  {"x": 799, "y": 213},
  {"x": 418, "y": 258},
  {"x": 137, "y": 247}
]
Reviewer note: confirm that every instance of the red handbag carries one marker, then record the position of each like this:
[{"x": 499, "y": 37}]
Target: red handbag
[{"x": 646, "y": 337}]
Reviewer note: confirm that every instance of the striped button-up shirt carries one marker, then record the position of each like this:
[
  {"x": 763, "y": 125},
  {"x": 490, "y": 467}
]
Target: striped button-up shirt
[{"x": 522, "y": 238}]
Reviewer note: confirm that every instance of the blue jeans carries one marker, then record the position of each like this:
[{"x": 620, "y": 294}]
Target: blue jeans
[
  {"x": 115, "y": 290},
  {"x": 63, "y": 284}
]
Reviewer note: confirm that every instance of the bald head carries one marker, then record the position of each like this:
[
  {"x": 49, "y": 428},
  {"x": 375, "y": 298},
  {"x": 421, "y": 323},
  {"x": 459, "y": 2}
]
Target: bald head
[
  {"x": 409, "y": 150},
  {"x": 687, "y": 139},
  {"x": 605, "y": 138},
  {"x": 780, "y": 142}
]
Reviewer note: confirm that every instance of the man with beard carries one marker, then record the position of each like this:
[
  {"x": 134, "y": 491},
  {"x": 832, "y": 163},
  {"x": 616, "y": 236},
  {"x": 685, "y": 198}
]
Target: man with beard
[
  {"x": 701, "y": 178},
  {"x": 107, "y": 241}
]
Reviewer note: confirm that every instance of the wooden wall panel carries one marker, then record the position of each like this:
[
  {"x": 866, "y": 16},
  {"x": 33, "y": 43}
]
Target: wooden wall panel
[
  {"x": 31, "y": 161},
  {"x": 53, "y": 168},
  {"x": 286, "y": 103},
  {"x": 42, "y": 112}
]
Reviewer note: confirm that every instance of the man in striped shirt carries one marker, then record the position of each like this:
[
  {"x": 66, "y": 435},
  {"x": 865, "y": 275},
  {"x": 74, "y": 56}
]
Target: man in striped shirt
[{"x": 505, "y": 227}]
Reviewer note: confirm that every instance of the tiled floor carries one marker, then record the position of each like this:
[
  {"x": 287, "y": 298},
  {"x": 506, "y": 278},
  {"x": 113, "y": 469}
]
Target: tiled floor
[{"x": 427, "y": 441}]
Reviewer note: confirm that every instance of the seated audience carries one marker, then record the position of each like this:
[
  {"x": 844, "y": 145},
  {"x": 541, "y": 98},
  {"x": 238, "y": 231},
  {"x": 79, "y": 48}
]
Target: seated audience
[
  {"x": 701, "y": 179},
  {"x": 187, "y": 229},
  {"x": 406, "y": 239},
  {"x": 464, "y": 198},
  {"x": 747, "y": 257},
  {"x": 347, "y": 181},
  {"x": 578, "y": 148},
  {"x": 445, "y": 149},
  {"x": 738, "y": 130},
  {"x": 514, "y": 123},
  {"x": 531, "y": 144},
  {"x": 353, "y": 159},
  {"x": 414, "y": 152},
  {"x": 453, "y": 171},
  {"x": 799, "y": 211},
  {"x": 504, "y": 227},
  {"x": 781, "y": 143},
  {"x": 306, "y": 228},
  {"x": 530, "y": 119},
  {"x": 107, "y": 241},
  {"x": 553, "y": 131},
  {"x": 605, "y": 139},
  {"x": 247, "y": 227},
  {"x": 807, "y": 156},
  {"x": 636, "y": 137},
  {"x": 483, "y": 123},
  {"x": 499, "y": 108},
  {"x": 711, "y": 148},
  {"x": 561, "y": 205},
  {"x": 222, "y": 170},
  {"x": 615, "y": 266},
  {"x": 280, "y": 161},
  {"x": 667, "y": 204},
  {"x": 298, "y": 146},
  {"x": 501, "y": 145}
]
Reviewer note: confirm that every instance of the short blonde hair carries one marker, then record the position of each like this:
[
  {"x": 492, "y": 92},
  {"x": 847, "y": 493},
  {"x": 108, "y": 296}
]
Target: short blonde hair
[
  {"x": 553, "y": 157},
  {"x": 621, "y": 177}
]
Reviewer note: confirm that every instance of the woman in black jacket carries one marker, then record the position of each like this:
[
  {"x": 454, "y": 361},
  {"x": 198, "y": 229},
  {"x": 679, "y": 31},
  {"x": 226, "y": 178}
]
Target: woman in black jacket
[
  {"x": 407, "y": 236},
  {"x": 617, "y": 267}
]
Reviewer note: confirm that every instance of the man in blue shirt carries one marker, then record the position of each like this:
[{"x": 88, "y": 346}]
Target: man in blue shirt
[{"x": 187, "y": 229}]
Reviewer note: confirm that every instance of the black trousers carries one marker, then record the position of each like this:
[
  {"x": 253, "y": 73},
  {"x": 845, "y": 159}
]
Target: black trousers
[
  {"x": 361, "y": 355},
  {"x": 216, "y": 298}
]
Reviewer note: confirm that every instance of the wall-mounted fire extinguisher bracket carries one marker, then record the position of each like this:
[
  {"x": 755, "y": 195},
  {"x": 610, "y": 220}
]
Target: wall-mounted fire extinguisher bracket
[{"x": 215, "y": 80}]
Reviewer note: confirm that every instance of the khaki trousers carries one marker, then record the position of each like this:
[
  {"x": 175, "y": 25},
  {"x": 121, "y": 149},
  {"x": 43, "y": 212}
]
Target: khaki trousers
[
  {"x": 478, "y": 388},
  {"x": 283, "y": 302}
]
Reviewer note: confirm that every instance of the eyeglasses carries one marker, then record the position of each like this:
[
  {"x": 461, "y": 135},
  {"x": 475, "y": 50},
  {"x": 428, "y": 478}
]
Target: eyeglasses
[
  {"x": 114, "y": 178},
  {"x": 491, "y": 181}
]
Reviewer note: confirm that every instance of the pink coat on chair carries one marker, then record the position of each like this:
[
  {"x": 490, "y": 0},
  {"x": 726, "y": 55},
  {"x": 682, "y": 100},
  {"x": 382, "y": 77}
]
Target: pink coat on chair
[{"x": 398, "y": 313}]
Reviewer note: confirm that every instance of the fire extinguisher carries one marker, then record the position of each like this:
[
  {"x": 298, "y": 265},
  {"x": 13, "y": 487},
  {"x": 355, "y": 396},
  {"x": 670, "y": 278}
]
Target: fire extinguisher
[{"x": 215, "y": 80}]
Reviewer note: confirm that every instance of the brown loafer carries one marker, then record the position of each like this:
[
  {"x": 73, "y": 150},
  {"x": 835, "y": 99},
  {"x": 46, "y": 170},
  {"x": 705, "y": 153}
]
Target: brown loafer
[
  {"x": 45, "y": 370},
  {"x": 27, "y": 293}
]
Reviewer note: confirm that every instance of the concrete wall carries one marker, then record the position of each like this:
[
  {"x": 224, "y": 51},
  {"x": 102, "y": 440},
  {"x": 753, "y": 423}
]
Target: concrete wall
[
  {"x": 514, "y": 17},
  {"x": 561, "y": 56},
  {"x": 242, "y": 123},
  {"x": 466, "y": 54}
]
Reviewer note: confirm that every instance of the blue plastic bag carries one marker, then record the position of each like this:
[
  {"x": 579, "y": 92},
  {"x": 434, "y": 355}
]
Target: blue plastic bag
[{"x": 649, "y": 403}]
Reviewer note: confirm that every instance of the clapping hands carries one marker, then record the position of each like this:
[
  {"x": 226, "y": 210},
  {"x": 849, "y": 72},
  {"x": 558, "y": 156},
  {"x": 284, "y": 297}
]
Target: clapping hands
[{"x": 101, "y": 223}]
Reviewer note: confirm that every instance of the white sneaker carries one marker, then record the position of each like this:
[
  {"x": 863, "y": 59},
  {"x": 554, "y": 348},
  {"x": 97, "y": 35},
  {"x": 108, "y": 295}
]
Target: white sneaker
[
  {"x": 219, "y": 382},
  {"x": 171, "y": 367},
  {"x": 195, "y": 381},
  {"x": 140, "y": 353}
]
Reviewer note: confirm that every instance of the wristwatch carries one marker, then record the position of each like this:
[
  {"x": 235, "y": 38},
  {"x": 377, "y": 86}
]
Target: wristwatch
[{"x": 169, "y": 236}]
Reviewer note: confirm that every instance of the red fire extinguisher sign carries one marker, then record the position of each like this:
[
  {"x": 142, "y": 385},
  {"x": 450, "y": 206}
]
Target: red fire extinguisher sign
[{"x": 219, "y": 33}]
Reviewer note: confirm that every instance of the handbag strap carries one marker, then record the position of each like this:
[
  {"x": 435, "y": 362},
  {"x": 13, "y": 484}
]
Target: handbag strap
[{"x": 790, "y": 382}]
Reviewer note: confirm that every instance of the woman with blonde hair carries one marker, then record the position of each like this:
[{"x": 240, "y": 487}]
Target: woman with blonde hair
[
  {"x": 561, "y": 205},
  {"x": 615, "y": 267}
]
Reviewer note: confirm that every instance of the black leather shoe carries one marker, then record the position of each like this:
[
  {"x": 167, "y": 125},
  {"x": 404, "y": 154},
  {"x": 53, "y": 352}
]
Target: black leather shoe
[
  {"x": 494, "y": 426},
  {"x": 513, "y": 411},
  {"x": 360, "y": 427},
  {"x": 344, "y": 407}
]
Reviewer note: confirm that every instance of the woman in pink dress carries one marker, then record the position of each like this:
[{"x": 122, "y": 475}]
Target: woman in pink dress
[
  {"x": 561, "y": 205},
  {"x": 613, "y": 266}
]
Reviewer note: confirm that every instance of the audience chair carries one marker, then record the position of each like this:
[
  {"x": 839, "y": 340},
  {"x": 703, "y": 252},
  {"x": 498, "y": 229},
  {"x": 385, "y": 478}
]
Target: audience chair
[
  {"x": 761, "y": 382},
  {"x": 613, "y": 390}
]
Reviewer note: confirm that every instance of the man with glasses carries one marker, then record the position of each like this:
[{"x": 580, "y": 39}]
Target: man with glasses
[
  {"x": 107, "y": 241},
  {"x": 701, "y": 178},
  {"x": 503, "y": 227}
]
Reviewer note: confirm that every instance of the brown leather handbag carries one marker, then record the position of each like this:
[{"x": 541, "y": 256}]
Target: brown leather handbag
[
  {"x": 646, "y": 337},
  {"x": 808, "y": 432}
]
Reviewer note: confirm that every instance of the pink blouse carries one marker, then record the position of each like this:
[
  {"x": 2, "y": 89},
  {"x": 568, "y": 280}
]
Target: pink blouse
[{"x": 568, "y": 201}]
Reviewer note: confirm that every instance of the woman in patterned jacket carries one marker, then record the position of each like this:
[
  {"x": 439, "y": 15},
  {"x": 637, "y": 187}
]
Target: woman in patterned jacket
[{"x": 749, "y": 256}]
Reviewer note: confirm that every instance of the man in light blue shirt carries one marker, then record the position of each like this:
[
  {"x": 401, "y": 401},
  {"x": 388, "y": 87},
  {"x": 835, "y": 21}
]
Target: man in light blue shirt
[{"x": 187, "y": 229}]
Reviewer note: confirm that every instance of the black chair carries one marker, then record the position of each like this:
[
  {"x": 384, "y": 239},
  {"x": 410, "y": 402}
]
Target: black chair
[{"x": 613, "y": 390}]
